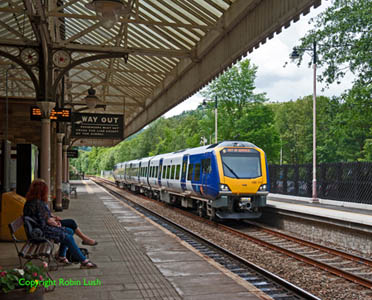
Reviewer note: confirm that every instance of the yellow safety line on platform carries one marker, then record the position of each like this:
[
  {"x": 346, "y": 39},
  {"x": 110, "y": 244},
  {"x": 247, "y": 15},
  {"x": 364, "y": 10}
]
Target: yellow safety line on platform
[{"x": 89, "y": 188}]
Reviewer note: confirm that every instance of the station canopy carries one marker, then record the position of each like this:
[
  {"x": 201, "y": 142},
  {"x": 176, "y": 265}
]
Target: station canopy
[{"x": 141, "y": 62}]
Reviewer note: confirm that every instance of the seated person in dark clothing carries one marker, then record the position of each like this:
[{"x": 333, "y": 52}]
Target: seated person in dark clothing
[
  {"x": 70, "y": 223},
  {"x": 35, "y": 208}
]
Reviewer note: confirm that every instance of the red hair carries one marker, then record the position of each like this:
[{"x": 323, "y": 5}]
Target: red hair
[{"x": 38, "y": 191}]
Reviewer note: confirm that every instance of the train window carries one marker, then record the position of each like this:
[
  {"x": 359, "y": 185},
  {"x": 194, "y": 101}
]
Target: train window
[
  {"x": 152, "y": 171},
  {"x": 189, "y": 174},
  {"x": 197, "y": 172},
  {"x": 172, "y": 172},
  {"x": 168, "y": 172},
  {"x": 163, "y": 173},
  {"x": 206, "y": 166},
  {"x": 178, "y": 169},
  {"x": 156, "y": 171}
]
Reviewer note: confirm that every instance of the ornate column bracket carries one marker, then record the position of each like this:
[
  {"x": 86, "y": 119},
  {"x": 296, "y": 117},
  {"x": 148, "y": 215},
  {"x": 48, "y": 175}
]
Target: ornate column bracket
[
  {"x": 60, "y": 137},
  {"x": 46, "y": 108}
]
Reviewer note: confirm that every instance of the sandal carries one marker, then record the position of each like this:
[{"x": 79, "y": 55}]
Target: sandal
[
  {"x": 88, "y": 265},
  {"x": 90, "y": 244},
  {"x": 63, "y": 260}
]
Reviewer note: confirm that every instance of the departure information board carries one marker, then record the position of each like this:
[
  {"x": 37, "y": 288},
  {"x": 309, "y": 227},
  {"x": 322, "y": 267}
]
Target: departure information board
[{"x": 57, "y": 114}]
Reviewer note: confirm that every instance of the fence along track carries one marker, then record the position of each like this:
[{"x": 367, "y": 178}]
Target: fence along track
[
  {"x": 348, "y": 182},
  {"x": 351, "y": 274},
  {"x": 272, "y": 285}
]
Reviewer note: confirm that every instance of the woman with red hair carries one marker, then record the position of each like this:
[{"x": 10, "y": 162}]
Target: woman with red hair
[{"x": 35, "y": 208}]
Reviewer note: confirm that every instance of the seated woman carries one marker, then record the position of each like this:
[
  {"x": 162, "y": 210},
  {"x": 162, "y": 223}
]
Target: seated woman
[
  {"x": 35, "y": 208},
  {"x": 70, "y": 223}
]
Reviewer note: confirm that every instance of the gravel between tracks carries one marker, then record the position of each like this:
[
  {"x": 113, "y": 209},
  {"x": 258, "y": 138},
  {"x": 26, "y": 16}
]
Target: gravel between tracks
[{"x": 323, "y": 285}]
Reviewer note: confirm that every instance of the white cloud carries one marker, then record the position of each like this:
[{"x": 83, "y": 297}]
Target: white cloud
[{"x": 279, "y": 83}]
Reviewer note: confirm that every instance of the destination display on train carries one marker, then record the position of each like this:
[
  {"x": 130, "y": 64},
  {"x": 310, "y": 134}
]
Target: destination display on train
[
  {"x": 57, "y": 114},
  {"x": 239, "y": 150},
  {"x": 97, "y": 126}
]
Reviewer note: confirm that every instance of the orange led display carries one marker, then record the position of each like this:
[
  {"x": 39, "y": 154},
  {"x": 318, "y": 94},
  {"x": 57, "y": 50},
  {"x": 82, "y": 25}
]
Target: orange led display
[{"x": 57, "y": 114}]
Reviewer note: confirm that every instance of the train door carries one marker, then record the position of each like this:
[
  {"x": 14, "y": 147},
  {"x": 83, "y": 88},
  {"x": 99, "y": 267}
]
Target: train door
[
  {"x": 184, "y": 169},
  {"x": 148, "y": 173},
  {"x": 160, "y": 171},
  {"x": 139, "y": 173},
  {"x": 206, "y": 174}
]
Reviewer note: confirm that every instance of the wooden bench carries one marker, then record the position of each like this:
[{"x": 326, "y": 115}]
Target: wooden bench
[
  {"x": 73, "y": 189},
  {"x": 41, "y": 249}
]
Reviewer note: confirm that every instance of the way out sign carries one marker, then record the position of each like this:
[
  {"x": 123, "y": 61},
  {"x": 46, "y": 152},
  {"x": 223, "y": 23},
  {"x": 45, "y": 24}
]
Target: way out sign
[{"x": 97, "y": 126}]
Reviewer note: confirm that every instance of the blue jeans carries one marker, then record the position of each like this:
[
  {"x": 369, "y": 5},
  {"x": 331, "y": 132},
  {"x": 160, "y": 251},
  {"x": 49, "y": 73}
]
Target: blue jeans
[
  {"x": 70, "y": 223},
  {"x": 69, "y": 243}
]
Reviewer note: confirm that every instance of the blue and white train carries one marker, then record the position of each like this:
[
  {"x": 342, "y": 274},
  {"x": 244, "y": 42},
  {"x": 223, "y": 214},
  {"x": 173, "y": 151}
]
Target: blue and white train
[{"x": 227, "y": 180}]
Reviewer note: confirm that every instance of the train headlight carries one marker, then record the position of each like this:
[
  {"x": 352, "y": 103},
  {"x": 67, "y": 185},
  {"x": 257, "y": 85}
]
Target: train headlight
[
  {"x": 224, "y": 188},
  {"x": 263, "y": 187}
]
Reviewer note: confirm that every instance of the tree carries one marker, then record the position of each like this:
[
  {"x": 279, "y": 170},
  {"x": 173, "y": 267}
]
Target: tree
[
  {"x": 294, "y": 122},
  {"x": 242, "y": 114},
  {"x": 343, "y": 33}
]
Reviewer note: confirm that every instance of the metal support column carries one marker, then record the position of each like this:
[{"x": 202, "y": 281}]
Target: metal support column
[
  {"x": 46, "y": 108},
  {"x": 58, "y": 206}
]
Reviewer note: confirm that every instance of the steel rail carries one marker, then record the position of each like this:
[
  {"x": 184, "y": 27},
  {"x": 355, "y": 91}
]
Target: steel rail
[
  {"x": 286, "y": 284},
  {"x": 336, "y": 252},
  {"x": 340, "y": 273}
]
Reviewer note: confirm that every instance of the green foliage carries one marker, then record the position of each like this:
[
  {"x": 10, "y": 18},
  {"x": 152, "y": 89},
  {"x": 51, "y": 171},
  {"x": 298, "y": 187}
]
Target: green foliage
[
  {"x": 242, "y": 114},
  {"x": 343, "y": 33},
  {"x": 344, "y": 129}
]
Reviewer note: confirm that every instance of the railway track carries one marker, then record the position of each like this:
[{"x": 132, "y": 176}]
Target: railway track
[
  {"x": 344, "y": 265},
  {"x": 272, "y": 285},
  {"x": 352, "y": 268}
]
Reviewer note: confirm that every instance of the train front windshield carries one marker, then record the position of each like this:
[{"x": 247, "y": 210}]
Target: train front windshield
[{"x": 241, "y": 163}]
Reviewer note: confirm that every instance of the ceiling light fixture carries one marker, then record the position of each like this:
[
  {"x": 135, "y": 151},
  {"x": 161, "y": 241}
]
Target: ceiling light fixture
[
  {"x": 91, "y": 100},
  {"x": 109, "y": 11}
]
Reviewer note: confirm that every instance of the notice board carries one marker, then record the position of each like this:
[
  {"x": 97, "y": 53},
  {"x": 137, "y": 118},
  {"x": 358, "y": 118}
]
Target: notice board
[{"x": 97, "y": 126}]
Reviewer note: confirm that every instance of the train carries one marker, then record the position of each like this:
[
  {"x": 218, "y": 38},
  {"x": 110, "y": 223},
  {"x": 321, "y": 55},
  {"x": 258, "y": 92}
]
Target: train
[{"x": 226, "y": 180}]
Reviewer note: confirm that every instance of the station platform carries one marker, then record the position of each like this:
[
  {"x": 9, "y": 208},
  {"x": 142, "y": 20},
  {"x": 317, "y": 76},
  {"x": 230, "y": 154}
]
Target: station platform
[
  {"x": 353, "y": 213},
  {"x": 136, "y": 258}
]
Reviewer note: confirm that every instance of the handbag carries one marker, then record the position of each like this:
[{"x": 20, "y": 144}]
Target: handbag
[
  {"x": 33, "y": 233},
  {"x": 74, "y": 259}
]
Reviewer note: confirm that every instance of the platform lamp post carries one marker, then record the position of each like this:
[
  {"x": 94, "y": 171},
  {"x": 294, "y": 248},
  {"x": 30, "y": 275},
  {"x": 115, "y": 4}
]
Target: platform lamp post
[
  {"x": 215, "y": 117},
  {"x": 295, "y": 55}
]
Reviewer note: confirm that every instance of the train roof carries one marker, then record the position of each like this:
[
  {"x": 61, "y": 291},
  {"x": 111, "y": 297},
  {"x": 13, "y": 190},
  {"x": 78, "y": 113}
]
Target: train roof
[{"x": 190, "y": 151}]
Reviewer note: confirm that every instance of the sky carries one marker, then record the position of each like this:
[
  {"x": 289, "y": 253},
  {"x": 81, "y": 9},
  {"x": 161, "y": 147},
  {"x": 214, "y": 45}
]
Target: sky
[{"x": 280, "y": 83}]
